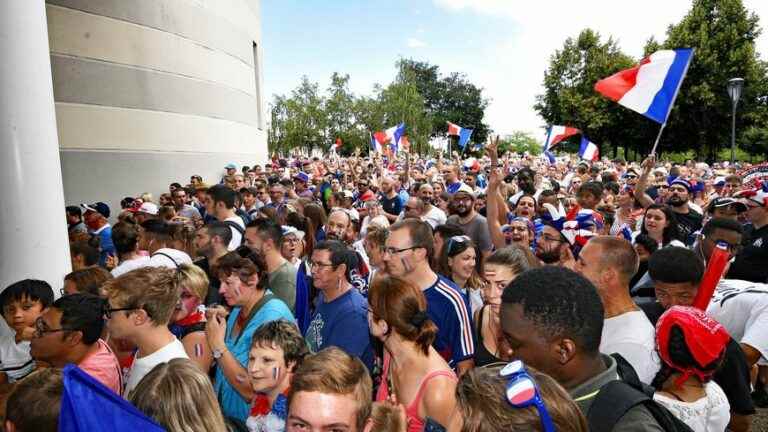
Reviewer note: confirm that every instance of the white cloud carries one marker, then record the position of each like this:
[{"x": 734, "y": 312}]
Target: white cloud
[
  {"x": 415, "y": 43},
  {"x": 514, "y": 77}
]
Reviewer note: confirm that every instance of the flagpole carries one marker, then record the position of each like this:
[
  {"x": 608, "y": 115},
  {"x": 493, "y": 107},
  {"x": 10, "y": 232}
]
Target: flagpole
[{"x": 658, "y": 137}]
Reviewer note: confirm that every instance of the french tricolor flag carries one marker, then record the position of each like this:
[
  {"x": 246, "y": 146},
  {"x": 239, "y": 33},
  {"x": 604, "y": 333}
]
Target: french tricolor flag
[
  {"x": 649, "y": 88},
  {"x": 392, "y": 135},
  {"x": 588, "y": 150},
  {"x": 556, "y": 134}
]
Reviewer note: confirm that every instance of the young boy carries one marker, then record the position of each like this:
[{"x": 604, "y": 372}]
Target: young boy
[
  {"x": 22, "y": 303},
  {"x": 140, "y": 305}
]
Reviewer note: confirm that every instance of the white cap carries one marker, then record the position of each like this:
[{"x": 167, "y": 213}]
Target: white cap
[{"x": 149, "y": 208}]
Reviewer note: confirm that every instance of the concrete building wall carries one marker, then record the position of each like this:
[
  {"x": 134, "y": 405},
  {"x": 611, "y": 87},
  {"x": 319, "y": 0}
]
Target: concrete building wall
[{"x": 149, "y": 92}]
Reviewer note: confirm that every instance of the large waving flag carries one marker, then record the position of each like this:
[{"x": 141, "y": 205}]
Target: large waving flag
[
  {"x": 87, "y": 405},
  {"x": 336, "y": 145},
  {"x": 375, "y": 145},
  {"x": 588, "y": 150},
  {"x": 556, "y": 134},
  {"x": 391, "y": 135},
  {"x": 651, "y": 87},
  {"x": 464, "y": 134}
]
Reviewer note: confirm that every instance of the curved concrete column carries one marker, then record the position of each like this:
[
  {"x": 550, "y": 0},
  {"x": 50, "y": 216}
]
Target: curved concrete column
[{"x": 33, "y": 231}]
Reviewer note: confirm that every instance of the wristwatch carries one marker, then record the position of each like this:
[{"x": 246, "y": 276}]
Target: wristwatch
[{"x": 217, "y": 353}]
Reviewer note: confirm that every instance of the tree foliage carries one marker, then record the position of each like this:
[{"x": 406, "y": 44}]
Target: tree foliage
[
  {"x": 520, "y": 142},
  {"x": 723, "y": 34},
  {"x": 419, "y": 96}
]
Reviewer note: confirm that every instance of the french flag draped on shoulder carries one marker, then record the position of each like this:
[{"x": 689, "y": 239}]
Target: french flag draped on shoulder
[
  {"x": 588, "y": 150},
  {"x": 651, "y": 87},
  {"x": 556, "y": 134},
  {"x": 464, "y": 134}
]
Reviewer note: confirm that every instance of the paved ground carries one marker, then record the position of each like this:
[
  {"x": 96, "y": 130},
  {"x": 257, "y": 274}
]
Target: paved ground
[{"x": 760, "y": 421}]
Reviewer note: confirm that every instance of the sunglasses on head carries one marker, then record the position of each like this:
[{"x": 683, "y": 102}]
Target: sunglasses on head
[{"x": 522, "y": 392}]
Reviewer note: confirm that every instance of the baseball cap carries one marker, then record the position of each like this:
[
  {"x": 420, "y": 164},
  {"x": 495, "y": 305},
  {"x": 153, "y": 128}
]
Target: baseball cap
[
  {"x": 348, "y": 194},
  {"x": 719, "y": 181},
  {"x": 303, "y": 177},
  {"x": 758, "y": 196},
  {"x": 367, "y": 196},
  {"x": 287, "y": 230},
  {"x": 727, "y": 201},
  {"x": 464, "y": 188},
  {"x": 149, "y": 208},
  {"x": 230, "y": 166},
  {"x": 98, "y": 207},
  {"x": 682, "y": 182}
]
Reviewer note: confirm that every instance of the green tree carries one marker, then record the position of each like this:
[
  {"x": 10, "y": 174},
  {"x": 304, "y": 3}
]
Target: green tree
[
  {"x": 448, "y": 98},
  {"x": 298, "y": 121},
  {"x": 569, "y": 97},
  {"x": 723, "y": 34},
  {"x": 402, "y": 102},
  {"x": 520, "y": 142}
]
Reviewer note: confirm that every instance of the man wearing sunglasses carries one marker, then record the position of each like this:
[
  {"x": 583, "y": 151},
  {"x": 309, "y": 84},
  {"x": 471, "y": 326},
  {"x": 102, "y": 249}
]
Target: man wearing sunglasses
[
  {"x": 750, "y": 264},
  {"x": 552, "y": 319},
  {"x": 69, "y": 332}
]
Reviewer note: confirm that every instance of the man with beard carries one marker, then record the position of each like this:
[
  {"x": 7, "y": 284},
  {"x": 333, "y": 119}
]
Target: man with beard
[
  {"x": 336, "y": 229},
  {"x": 474, "y": 224},
  {"x": 266, "y": 237},
  {"x": 525, "y": 184},
  {"x": 211, "y": 243},
  {"x": 432, "y": 215},
  {"x": 688, "y": 220},
  {"x": 390, "y": 200},
  {"x": 553, "y": 248}
]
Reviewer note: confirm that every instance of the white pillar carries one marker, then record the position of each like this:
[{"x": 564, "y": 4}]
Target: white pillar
[{"x": 33, "y": 232}]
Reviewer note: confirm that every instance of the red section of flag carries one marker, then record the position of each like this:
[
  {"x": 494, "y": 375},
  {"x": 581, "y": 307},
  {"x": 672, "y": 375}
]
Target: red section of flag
[{"x": 617, "y": 85}]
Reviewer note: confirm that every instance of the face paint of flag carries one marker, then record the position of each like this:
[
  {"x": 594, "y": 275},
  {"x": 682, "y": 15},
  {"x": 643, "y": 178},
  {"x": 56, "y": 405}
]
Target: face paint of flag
[
  {"x": 198, "y": 350},
  {"x": 521, "y": 392},
  {"x": 241, "y": 378},
  {"x": 275, "y": 373}
]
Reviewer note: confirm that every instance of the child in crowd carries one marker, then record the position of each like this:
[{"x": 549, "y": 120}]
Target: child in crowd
[
  {"x": 692, "y": 346},
  {"x": 277, "y": 350},
  {"x": 22, "y": 303}
]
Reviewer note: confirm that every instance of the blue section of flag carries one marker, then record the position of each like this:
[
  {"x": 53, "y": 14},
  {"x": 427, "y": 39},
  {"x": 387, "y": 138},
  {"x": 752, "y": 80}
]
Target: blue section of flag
[
  {"x": 549, "y": 156},
  {"x": 583, "y": 146},
  {"x": 546, "y": 140},
  {"x": 464, "y": 136},
  {"x": 399, "y": 132},
  {"x": 662, "y": 102},
  {"x": 87, "y": 406}
]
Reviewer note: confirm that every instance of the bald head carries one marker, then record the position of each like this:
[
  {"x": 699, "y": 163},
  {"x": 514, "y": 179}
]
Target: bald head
[{"x": 606, "y": 252}]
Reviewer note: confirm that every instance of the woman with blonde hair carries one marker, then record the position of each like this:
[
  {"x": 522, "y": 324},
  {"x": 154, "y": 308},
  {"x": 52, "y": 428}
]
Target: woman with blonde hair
[
  {"x": 499, "y": 399},
  {"x": 188, "y": 320},
  {"x": 414, "y": 373},
  {"x": 180, "y": 397}
]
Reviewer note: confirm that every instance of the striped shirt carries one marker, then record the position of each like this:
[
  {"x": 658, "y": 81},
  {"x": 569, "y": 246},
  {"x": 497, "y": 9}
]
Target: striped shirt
[
  {"x": 15, "y": 360},
  {"x": 448, "y": 309}
]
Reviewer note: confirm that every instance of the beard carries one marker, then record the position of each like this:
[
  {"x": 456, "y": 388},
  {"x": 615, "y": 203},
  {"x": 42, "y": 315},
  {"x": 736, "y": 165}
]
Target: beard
[
  {"x": 551, "y": 256},
  {"x": 676, "y": 201}
]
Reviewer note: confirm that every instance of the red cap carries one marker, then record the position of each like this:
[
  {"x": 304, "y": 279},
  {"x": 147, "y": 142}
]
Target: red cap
[
  {"x": 705, "y": 338},
  {"x": 367, "y": 196}
]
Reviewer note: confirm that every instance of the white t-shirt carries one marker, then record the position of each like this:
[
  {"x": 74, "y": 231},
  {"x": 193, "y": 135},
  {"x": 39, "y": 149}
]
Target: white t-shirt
[
  {"x": 708, "y": 414},
  {"x": 237, "y": 238},
  {"x": 142, "y": 366},
  {"x": 434, "y": 217},
  {"x": 126, "y": 266},
  {"x": 15, "y": 360},
  {"x": 742, "y": 308},
  {"x": 634, "y": 337},
  {"x": 169, "y": 258}
]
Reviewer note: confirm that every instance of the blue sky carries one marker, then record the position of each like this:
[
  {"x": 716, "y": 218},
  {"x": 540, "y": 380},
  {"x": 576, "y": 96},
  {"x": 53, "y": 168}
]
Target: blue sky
[{"x": 501, "y": 45}]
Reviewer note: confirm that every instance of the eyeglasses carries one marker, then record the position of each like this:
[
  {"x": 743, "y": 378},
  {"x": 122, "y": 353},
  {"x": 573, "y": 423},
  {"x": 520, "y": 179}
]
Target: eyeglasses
[
  {"x": 393, "y": 251},
  {"x": 523, "y": 392},
  {"x": 314, "y": 264},
  {"x": 734, "y": 249},
  {"x": 41, "y": 328}
]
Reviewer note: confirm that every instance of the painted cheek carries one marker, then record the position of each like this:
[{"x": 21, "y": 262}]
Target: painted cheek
[{"x": 190, "y": 304}]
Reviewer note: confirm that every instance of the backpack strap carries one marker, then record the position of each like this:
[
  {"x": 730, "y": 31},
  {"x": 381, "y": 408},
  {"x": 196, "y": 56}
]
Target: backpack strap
[
  {"x": 237, "y": 228},
  {"x": 614, "y": 400}
]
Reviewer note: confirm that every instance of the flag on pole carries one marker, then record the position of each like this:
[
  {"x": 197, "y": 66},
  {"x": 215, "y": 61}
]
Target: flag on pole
[
  {"x": 550, "y": 157},
  {"x": 464, "y": 134},
  {"x": 556, "y": 134},
  {"x": 336, "y": 145},
  {"x": 588, "y": 150},
  {"x": 375, "y": 145},
  {"x": 391, "y": 135},
  {"x": 651, "y": 87},
  {"x": 82, "y": 394}
]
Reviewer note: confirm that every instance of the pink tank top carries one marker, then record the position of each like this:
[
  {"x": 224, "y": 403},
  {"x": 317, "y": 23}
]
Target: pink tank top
[{"x": 415, "y": 423}]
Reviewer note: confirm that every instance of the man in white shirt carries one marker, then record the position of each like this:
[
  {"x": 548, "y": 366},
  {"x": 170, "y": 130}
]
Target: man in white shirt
[
  {"x": 220, "y": 203},
  {"x": 140, "y": 305},
  {"x": 609, "y": 263},
  {"x": 431, "y": 215}
]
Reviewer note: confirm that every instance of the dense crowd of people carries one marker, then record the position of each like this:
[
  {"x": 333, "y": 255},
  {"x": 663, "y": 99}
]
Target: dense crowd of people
[{"x": 407, "y": 293}]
